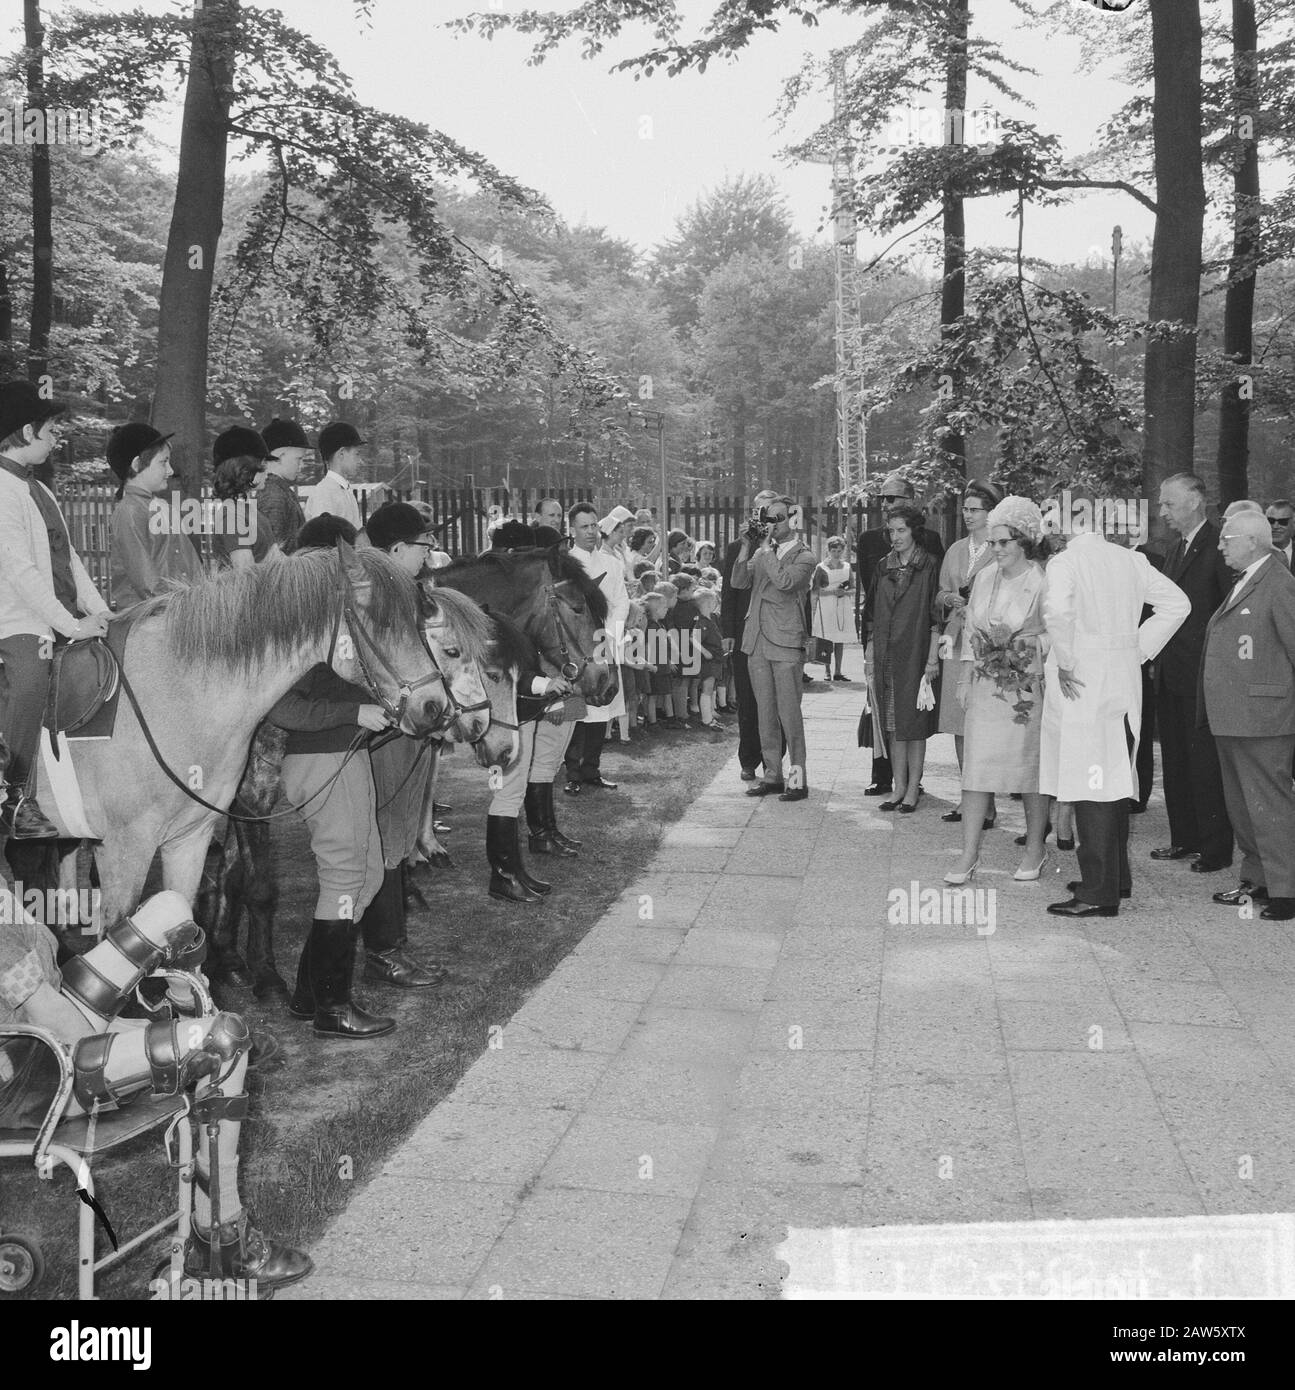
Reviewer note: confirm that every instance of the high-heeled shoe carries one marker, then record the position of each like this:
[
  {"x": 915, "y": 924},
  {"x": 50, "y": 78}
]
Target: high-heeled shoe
[
  {"x": 958, "y": 879},
  {"x": 1027, "y": 875},
  {"x": 893, "y": 804},
  {"x": 1024, "y": 840},
  {"x": 905, "y": 809}
]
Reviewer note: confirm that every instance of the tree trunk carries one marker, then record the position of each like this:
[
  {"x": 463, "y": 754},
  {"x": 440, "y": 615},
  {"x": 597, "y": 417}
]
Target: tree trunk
[
  {"x": 1170, "y": 386},
  {"x": 1239, "y": 309},
  {"x": 953, "y": 293},
  {"x": 180, "y": 404},
  {"x": 42, "y": 202},
  {"x": 7, "y": 361}
]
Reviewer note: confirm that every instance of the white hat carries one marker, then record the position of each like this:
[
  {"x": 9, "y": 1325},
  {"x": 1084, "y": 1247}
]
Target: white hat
[{"x": 618, "y": 516}]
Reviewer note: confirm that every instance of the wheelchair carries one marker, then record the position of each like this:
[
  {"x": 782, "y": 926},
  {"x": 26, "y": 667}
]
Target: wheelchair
[{"x": 77, "y": 1141}]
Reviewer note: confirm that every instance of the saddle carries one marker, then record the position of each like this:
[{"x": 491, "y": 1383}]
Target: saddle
[{"x": 84, "y": 685}]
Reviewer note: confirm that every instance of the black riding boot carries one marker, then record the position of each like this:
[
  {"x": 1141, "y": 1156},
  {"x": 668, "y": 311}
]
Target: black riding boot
[
  {"x": 332, "y": 964},
  {"x": 383, "y": 929},
  {"x": 302, "y": 1003},
  {"x": 536, "y": 885},
  {"x": 564, "y": 843},
  {"x": 504, "y": 880},
  {"x": 541, "y": 837}
]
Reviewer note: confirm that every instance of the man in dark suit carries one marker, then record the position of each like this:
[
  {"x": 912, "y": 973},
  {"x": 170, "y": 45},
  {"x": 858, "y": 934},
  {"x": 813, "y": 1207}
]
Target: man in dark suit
[
  {"x": 1198, "y": 822},
  {"x": 871, "y": 550},
  {"x": 1281, "y": 516},
  {"x": 1247, "y": 694},
  {"x": 732, "y": 620}
]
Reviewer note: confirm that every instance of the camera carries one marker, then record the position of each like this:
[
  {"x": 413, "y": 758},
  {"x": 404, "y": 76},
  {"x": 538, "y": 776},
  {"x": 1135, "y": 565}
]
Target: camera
[{"x": 758, "y": 526}]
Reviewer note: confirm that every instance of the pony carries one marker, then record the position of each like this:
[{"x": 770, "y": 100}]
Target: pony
[
  {"x": 509, "y": 653},
  {"x": 206, "y": 662},
  {"x": 550, "y": 596},
  {"x": 241, "y": 876}
]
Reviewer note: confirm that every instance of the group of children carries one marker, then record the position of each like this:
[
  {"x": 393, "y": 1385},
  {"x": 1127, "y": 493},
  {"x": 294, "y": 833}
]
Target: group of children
[{"x": 674, "y": 669}]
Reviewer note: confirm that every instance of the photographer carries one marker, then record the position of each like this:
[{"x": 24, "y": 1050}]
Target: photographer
[
  {"x": 778, "y": 575},
  {"x": 732, "y": 619}
]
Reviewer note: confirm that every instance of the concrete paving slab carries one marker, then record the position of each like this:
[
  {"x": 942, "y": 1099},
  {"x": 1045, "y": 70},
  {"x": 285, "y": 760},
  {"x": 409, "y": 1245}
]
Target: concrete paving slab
[
  {"x": 577, "y": 1242},
  {"x": 693, "y": 1091},
  {"x": 480, "y": 1143},
  {"x": 631, "y": 1154},
  {"x": 751, "y": 1020},
  {"x": 724, "y": 987},
  {"x": 571, "y": 1023},
  {"x": 552, "y": 1080}
]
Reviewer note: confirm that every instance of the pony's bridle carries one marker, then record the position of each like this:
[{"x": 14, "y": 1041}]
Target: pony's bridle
[
  {"x": 566, "y": 668},
  {"x": 455, "y": 708},
  {"x": 361, "y": 639}
]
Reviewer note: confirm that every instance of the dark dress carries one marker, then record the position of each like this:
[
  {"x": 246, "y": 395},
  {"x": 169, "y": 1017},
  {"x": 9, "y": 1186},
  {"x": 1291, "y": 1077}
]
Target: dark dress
[{"x": 901, "y": 611}]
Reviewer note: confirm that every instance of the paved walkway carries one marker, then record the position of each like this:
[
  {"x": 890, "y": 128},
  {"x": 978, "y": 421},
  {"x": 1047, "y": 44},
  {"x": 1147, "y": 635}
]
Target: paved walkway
[{"x": 759, "y": 1041}]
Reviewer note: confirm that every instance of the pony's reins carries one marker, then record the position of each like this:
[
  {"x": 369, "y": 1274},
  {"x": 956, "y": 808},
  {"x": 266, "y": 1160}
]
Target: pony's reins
[{"x": 395, "y": 713}]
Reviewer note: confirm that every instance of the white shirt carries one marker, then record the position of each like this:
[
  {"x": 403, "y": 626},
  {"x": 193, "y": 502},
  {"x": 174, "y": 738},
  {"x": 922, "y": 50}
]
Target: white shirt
[
  {"x": 1245, "y": 574},
  {"x": 333, "y": 494},
  {"x": 1191, "y": 535},
  {"x": 787, "y": 546}
]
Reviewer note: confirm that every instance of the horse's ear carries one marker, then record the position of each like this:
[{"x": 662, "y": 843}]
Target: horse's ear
[{"x": 350, "y": 562}]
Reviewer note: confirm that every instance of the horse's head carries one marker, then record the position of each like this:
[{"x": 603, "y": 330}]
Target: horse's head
[
  {"x": 458, "y": 634},
  {"x": 378, "y": 642},
  {"x": 578, "y": 608},
  {"x": 506, "y": 658},
  {"x": 558, "y": 606}
]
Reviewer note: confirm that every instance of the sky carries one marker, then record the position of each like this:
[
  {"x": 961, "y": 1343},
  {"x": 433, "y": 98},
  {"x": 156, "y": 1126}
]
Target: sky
[{"x": 632, "y": 156}]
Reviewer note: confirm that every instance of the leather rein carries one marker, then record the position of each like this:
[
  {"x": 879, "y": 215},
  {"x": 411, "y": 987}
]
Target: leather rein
[{"x": 395, "y": 712}]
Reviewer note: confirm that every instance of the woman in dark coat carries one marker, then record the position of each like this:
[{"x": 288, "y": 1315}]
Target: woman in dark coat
[{"x": 903, "y": 638}]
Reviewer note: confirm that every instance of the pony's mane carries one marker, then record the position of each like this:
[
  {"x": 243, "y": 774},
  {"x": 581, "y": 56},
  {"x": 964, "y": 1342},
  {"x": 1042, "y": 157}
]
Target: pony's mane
[
  {"x": 471, "y": 624},
  {"x": 511, "y": 646},
  {"x": 239, "y": 618}
]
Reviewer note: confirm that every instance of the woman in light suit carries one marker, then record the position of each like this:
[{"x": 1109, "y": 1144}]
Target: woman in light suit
[{"x": 1004, "y": 719}]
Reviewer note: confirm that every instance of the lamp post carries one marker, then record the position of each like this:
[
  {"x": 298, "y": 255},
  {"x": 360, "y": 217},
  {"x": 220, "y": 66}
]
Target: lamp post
[{"x": 655, "y": 419}]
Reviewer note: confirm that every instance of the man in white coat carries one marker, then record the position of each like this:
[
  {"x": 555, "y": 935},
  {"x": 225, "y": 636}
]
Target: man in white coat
[
  {"x": 584, "y": 752},
  {"x": 1092, "y": 704}
]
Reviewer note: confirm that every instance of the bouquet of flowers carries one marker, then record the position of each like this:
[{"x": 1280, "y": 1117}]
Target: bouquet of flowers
[{"x": 1011, "y": 660}]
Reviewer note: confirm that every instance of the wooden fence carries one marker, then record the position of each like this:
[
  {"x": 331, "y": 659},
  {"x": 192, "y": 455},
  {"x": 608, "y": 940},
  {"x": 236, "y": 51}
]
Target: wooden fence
[{"x": 463, "y": 516}]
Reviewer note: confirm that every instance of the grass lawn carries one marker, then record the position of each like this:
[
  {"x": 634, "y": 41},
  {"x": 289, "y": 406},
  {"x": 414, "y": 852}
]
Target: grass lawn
[{"x": 326, "y": 1112}]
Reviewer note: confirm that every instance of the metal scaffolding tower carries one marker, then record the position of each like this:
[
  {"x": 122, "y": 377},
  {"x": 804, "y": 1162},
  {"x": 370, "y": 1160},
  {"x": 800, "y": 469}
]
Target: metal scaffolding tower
[{"x": 851, "y": 424}]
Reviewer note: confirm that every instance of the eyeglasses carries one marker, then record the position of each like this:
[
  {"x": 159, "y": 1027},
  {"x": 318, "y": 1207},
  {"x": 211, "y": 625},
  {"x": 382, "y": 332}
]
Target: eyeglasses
[
  {"x": 1280, "y": 520},
  {"x": 1231, "y": 538}
]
